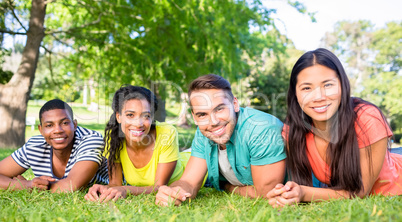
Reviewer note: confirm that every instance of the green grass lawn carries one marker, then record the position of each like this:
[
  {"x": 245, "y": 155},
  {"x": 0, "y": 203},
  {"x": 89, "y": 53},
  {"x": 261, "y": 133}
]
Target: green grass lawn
[{"x": 210, "y": 205}]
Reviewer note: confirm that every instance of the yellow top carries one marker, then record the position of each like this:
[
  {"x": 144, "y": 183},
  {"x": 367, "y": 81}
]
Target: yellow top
[{"x": 166, "y": 150}]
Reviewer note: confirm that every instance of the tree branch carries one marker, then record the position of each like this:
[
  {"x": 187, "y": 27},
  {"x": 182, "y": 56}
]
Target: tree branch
[
  {"x": 75, "y": 28},
  {"x": 59, "y": 40},
  {"x": 12, "y": 32},
  {"x": 16, "y": 17}
]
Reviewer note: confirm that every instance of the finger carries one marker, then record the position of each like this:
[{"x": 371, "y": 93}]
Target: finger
[
  {"x": 279, "y": 191},
  {"x": 102, "y": 189},
  {"x": 92, "y": 195},
  {"x": 274, "y": 203},
  {"x": 42, "y": 182},
  {"x": 271, "y": 194},
  {"x": 161, "y": 203},
  {"x": 117, "y": 196},
  {"x": 280, "y": 201},
  {"x": 36, "y": 182},
  {"x": 40, "y": 186},
  {"x": 283, "y": 201},
  {"x": 290, "y": 185},
  {"x": 96, "y": 190},
  {"x": 279, "y": 185},
  {"x": 107, "y": 194},
  {"x": 172, "y": 200},
  {"x": 160, "y": 200},
  {"x": 48, "y": 178},
  {"x": 20, "y": 177},
  {"x": 179, "y": 193},
  {"x": 167, "y": 200},
  {"x": 293, "y": 193},
  {"x": 165, "y": 191},
  {"x": 103, "y": 196},
  {"x": 89, "y": 197},
  {"x": 112, "y": 196}
]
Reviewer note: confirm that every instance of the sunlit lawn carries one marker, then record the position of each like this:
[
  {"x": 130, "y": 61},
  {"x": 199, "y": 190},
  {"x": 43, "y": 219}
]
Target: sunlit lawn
[{"x": 210, "y": 205}]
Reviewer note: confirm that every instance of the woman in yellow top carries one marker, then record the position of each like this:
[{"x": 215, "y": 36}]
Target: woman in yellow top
[{"x": 145, "y": 152}]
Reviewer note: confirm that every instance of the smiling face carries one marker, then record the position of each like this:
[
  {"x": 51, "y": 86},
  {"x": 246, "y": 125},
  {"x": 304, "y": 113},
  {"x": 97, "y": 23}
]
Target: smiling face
[
  {"x": 214, "y": 113},
  {"x": 135, "y": 119},
  {"x": 318, "y": 92},
  {"x": 58, "y": 128}
]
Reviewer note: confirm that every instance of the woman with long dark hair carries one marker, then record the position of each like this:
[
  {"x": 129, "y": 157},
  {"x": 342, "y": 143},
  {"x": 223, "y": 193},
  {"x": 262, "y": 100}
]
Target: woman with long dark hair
[
  {"x": 340, "y": 140},
  {"x": 145, "y": 152}
]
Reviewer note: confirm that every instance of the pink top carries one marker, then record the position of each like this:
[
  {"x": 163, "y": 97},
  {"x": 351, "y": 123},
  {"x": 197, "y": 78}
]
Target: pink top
[{"x": 369, "y": 118}]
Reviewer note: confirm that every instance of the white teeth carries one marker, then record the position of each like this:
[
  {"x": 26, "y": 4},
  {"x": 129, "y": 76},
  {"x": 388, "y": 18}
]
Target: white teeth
[
  {"x": 58, "y": 138},
  {"x": 219, "y": 131},
  {"x": 134, "y": 131},
  {"x": 321, "y": 108}
]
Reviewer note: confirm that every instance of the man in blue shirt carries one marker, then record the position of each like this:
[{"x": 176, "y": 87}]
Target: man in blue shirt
[{"x": 241, "y": 148}]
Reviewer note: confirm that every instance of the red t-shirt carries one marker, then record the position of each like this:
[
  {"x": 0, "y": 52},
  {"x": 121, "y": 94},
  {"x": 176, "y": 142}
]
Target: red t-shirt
[{"x": 370, "y": 119}]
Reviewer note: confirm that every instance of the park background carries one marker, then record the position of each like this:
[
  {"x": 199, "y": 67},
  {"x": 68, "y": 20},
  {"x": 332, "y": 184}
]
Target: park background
[{"x": 81, "y": 51}]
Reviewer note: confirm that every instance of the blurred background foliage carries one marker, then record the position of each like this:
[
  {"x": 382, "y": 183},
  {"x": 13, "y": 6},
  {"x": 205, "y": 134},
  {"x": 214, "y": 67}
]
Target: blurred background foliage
[{"x": 91, "y": 48}]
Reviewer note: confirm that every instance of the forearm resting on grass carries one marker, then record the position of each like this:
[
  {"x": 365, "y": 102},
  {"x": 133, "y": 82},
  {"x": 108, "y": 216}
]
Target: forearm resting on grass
[
  {"x": 185, "y": 188},
  {"x": 262, "y": 182},
  {"x": 78, "y": 178},
  {"x": 292, "y": 193},
  {"x": 10, "y": 177},
  {"x": 120, "y": 192},
  {"x": 20, "y": 183},
  {"x": 246, "y": 191}
]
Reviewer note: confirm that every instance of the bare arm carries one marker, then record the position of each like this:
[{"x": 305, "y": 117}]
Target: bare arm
[
  {"x": 8, "y": 170},
  {"x": 265, "y": 177},
  {"x": 79, "y": 176},
  {"x": 292, "y": 193},
  {"x": 10, "y": 177},
  {"x": 188, "y": 185}
]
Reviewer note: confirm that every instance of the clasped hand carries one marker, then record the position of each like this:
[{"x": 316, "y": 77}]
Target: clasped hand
[
  {"x": 103, "y": 193},
  {"x": 282, "y": 195},
  {"x": 41, "y": 183},
  {"x": 171, "y": 195}
]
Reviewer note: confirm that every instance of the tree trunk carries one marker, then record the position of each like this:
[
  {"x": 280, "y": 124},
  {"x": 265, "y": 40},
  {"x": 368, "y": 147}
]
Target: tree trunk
[
  {"x": 160, "y": 114},
  {"x": 156, "y": 87},
  {"x": 183, "y": 117},
  {"x": 15, "y": 94}
]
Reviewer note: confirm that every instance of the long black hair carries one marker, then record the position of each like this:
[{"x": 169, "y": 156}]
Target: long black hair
[
  {"x": 343, "y": 150},
  {"x": 114, "y": 136}
]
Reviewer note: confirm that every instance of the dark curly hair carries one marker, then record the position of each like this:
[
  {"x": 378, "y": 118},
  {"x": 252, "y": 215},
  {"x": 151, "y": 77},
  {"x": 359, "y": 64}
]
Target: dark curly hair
[
  {"x": 55, "y": 104},
  {"x": 114, "y": 136}
]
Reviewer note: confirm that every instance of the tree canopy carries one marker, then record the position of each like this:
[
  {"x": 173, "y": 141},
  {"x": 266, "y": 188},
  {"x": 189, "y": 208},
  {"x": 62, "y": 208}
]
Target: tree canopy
[
  {"x": 146, "y": 43},
  {"x": 373, "y": 59}
]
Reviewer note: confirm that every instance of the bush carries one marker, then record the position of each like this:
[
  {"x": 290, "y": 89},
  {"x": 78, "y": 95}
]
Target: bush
[{"x": 397, "y": 137}]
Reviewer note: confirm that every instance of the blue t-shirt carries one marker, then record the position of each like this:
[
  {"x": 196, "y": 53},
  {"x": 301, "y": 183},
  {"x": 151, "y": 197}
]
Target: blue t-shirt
[{"x": 256, "y": 140}]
